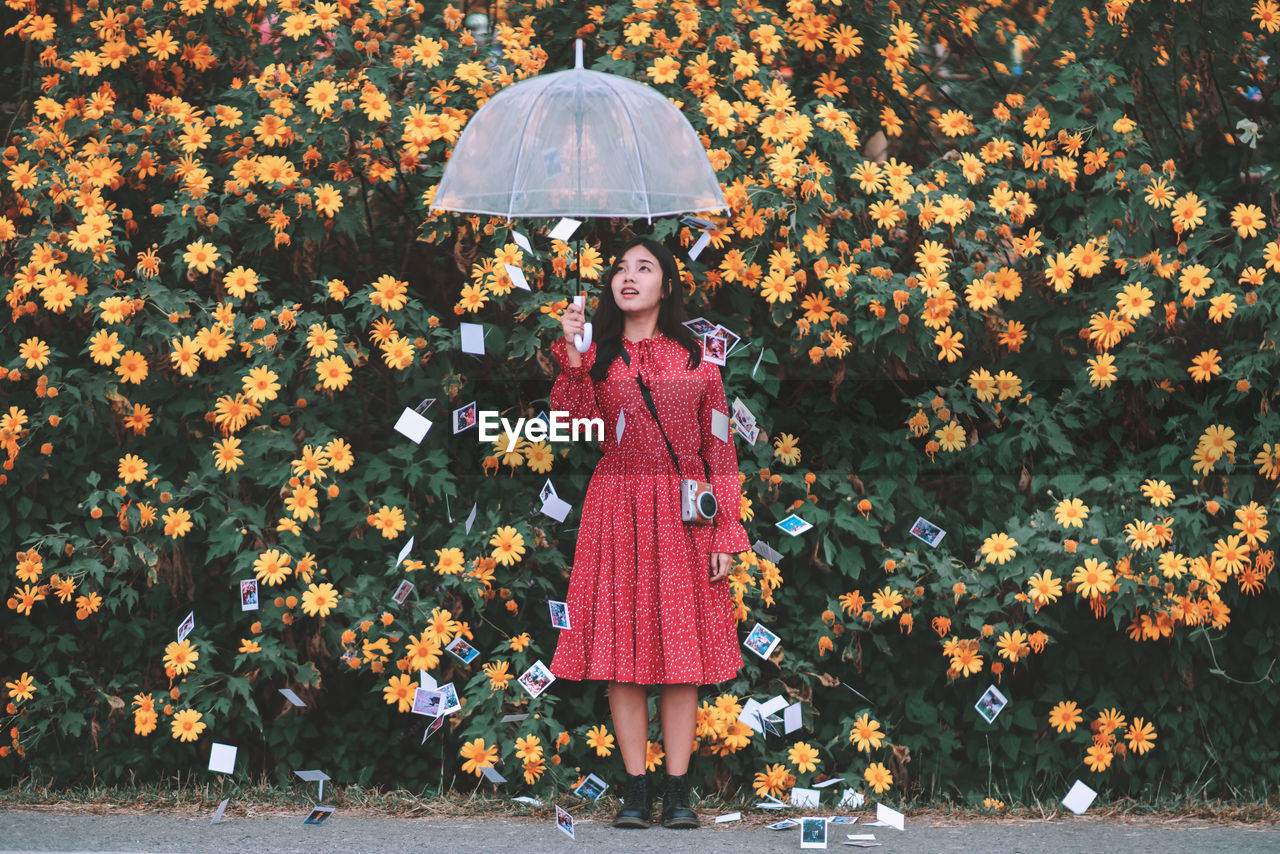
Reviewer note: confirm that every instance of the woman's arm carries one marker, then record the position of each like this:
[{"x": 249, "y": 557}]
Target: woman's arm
[
  {"x": 573, "y": 391},
  {"x": 729, "y": 536}
]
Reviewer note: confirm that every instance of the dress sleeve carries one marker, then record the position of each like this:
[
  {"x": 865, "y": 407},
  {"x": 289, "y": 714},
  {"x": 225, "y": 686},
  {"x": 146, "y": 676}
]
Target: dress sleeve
[
  {"x": 574, "y": 391},
  {"x": 728, "y": 534}
]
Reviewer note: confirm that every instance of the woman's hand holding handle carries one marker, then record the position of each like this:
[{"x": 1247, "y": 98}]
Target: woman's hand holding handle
[{"x": 571, "y": 321}]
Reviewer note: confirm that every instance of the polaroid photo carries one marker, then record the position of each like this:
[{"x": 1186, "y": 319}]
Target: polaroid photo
[
  {"x": 563, "y": 230},
  {"x": 828, "y": 783},
  {"x": 428, "y": 702},
  {"x": 720, "y": 426},
  {"x": 697, "y": 222},
  {"x": 556, "y": 507},
  {"x": 517, "y": 277},
  {"x": 564, "y": 821},
  {"x": 435, "y": 724},
  {"x": 991, "y": 703},
  {"x": 507, "y": 719},
  {"x": 404, "y": 551},
  {"x": 731, "y": 338},
  {"x": 318, "y": 815},
  {"x": 766, "y": 551},
  {"x": 525, "y": 799},
  {"x": 472, "y": 338},
  {"x": 249, "y": 594},
  {"x": 559, "y": 614},
  {"x": 1080, "y": 798},
  {"x": 222, "y": 758},
  {"x": 218, "y": 813},
  {"x": 492, "y": 775},
  {"x": 801, "y": 797},
  {"x": 293, "y": 698},
  {"x": 813, "y": 832},
  {"x": 426, "y": 680},
  {"x": 537, "y": 678},
  {"x": 547, "y": 491},
  {"x": 402, "y": 592},
  {"x": 700, "y": 326},
  {"x": 187, "y": 625},
  {"x": 761, "y": 641},
  {"x": 927, "y": 531},
  {"x": 784, "y": 824},
  {"x": 451, "y": 703},
  {"x": 591, "y": 788},
  {"x": 852, "y": 798},
  {"x": 702, "y": 243},
  {"x": 793, "y": 525},
  {"x": 412, "y": 425},
  {"x": 464, "y": 418},
  {"x": 715, "y": 348},
  {"x": 463, "y": 651},
  {"x": 728, "y": 817}
]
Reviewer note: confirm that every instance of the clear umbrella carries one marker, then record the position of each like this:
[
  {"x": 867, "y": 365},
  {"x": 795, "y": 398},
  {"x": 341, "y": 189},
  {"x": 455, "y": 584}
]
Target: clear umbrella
[{"x": 578, "y": 143}]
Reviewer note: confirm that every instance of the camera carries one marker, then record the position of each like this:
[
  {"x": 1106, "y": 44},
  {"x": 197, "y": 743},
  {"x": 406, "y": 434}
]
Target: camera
[{"x": 697, "y": 502}]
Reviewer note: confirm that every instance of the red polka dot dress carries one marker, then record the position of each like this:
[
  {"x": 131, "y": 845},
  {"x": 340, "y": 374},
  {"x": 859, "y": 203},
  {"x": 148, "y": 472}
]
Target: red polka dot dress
[{"x": 641, "y": 606}]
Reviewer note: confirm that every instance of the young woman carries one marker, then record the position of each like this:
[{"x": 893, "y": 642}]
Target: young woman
[{"x": 648, "y": 597}]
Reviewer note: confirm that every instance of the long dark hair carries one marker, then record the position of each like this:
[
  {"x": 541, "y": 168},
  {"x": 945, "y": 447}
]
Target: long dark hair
[{"x": 608, "y": 318}]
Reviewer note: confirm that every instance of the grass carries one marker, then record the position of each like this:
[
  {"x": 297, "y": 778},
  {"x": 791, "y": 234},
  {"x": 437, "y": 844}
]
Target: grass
[{"x": 189, "y": 794}]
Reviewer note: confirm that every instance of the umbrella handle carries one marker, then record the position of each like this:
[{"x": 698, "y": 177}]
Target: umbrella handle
[{"x": 582, "y": 343}]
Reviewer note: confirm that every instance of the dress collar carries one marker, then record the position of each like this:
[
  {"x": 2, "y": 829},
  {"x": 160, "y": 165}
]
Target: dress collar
[{"x": 657, "y": 333}]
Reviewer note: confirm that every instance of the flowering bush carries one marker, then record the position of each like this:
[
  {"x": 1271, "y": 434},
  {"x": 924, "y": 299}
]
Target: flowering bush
[{"x": 1009, "y": 270}]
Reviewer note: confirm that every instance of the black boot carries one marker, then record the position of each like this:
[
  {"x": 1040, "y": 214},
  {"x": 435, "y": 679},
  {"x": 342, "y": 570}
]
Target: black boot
[
  {"x": 637, "y": 806},
  {"x": 675, "y": 804}
]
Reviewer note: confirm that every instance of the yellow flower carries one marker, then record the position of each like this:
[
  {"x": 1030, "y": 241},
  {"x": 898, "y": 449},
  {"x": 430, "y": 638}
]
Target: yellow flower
[
  {"x": 1064, "y": 716},
  {"x": 200, "y": 256},
  {"x": 878, "y": 777},
  {"x": 24, "y": 687},
  {"x": 187, "y": 725},
  {"x": 887, "y": 602},
  {"x": 132, "y": 469},
  {"x": 1071, "y": 513},
  {"x": 803, "y": 756},
  {"x": 389, "y": 520},
  {"x": 449, "y": 561},
  {"x": 528, "y": 748},
  {"x": 1044, "y": 587},
  {"x": 399, "y": 691},
  {"x": 499, "y": 674},
  {"x": 1157, "y": 492},
  {"x": 999, "y": 548},
  {"x": 260, "y": 385},
  {"x": 248, "y": 645},
  {"x": 272, "y": 567},
  {"x": 786, "y": 449},
  {"x": 1140, "y": 736},
  {"x": 180, "y": 657},
  {"x": 1094, "y": 578},
  {"x": 319, "y": 600},
  {"x": 601, "y": 740},
  {"x": 508, "y": 545},
  {"x": 653, "y": 755},
  {"x": 477, "y": 756},
  {"x": 866, "y": 733}
]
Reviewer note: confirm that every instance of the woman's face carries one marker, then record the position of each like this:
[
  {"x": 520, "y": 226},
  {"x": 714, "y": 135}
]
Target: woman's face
[{"x": 637, "y": 281}]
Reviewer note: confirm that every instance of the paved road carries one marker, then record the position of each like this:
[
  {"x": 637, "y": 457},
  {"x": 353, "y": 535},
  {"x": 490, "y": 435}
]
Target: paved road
[{"x": 30, "y": 830}]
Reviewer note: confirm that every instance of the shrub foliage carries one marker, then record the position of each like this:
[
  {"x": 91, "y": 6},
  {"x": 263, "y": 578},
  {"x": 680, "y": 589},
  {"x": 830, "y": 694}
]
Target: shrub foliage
[{"x": 1010, "y": 268}]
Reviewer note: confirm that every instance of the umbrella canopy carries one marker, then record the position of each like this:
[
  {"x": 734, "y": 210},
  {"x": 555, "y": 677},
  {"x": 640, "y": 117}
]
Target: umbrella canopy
[{"x": 578, "y": 143}]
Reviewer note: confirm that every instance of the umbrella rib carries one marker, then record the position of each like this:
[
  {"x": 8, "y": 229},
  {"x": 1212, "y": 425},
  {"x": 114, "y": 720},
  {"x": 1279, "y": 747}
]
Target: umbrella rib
[
  {"x": 648, "y": 211},
  {"x": 528, "y": 116}
]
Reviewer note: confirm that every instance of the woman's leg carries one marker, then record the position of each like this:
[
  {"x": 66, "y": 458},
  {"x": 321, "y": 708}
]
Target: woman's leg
[
  {"x": 679, "y": 722},
  {"x": 630, "y": 707}
]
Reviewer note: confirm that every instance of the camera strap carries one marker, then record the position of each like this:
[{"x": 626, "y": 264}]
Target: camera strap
[{"x": 653, "y": 410}]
